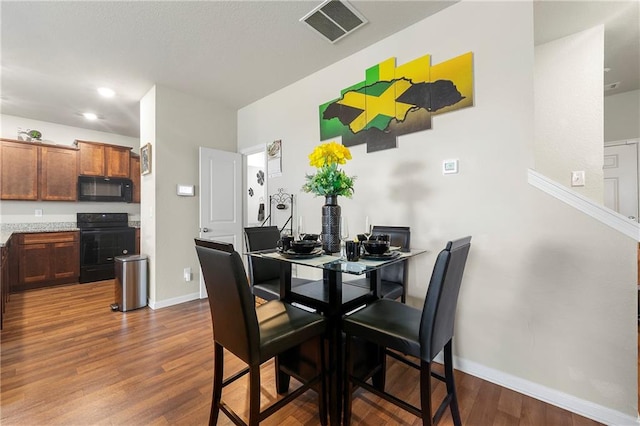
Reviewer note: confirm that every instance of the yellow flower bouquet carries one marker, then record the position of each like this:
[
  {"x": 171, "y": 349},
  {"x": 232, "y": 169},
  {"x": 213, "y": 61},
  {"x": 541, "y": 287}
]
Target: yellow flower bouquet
[{"x": 329, "y": 180}]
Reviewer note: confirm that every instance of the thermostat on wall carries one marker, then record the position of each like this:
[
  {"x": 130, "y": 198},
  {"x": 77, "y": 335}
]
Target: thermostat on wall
[
  {"x": 449, "y": 166},
  {"x": 186, "y": 190}
]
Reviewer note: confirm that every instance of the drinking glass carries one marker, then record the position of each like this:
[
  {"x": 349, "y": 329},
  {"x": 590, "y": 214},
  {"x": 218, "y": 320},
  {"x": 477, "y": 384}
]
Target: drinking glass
[
  {"x": 367, "y": 227},
  {"x": 300, "y": 232},
  {"x": 344, "y": 233}
]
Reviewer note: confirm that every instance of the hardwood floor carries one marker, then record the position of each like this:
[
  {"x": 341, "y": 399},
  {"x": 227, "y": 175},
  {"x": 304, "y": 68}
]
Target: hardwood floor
[{"x": 68, "y": 360}]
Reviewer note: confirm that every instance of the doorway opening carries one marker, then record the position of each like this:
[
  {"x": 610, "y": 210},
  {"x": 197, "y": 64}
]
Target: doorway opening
[{"x": 255, "y": 186}]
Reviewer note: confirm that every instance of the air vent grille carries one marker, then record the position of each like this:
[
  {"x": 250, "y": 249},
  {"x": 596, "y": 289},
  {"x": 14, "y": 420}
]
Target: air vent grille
[{"x": 334, "y": 19}]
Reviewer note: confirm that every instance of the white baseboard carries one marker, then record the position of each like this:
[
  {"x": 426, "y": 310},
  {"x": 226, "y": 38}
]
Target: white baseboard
[
  {"x": 154, "y": 304},
  {"x": 550, "y": 396}
]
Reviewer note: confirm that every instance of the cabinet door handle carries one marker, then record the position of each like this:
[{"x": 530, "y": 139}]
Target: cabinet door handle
[{"x": 205, "y": 229}]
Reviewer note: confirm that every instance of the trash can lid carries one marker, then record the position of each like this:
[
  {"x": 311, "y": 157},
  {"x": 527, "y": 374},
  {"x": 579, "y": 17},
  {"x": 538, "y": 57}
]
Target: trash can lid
[{"x": 131, "y": 258}]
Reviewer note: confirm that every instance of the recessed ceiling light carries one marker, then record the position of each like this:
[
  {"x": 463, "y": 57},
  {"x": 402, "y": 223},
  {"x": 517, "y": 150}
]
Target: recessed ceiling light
[
  {"x": 89, "y": 115},
  {"x": 106, "y": 92}
]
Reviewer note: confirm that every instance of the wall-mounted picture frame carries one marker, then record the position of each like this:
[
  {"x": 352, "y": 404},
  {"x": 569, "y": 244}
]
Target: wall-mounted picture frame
[{"x": 145, "y": 159}]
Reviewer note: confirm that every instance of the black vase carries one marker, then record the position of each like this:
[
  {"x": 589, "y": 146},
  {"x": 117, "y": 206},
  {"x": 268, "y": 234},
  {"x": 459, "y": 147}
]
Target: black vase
[{"x": 331, "y": 224}]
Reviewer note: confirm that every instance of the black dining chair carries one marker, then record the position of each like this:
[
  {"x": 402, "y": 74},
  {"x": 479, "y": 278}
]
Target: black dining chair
[
  {"x": 255, "y": 335},
  {"x": 393, "y": 278},
  {"x": 401, "y": 329},
  {"x": 264, "y": 274}
]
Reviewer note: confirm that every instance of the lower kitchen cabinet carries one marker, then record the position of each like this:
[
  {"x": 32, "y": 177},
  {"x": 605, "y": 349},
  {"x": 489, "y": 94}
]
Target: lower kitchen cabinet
[
  {"x": 46, "y": 259},
  {"x": 4, "y": 280}
]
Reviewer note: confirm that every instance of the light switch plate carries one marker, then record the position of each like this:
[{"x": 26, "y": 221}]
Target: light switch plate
[
  {"x": 449, "y": 167},
  {"x": 577, "y": 178},
  {"x": 186, "y": 190}
]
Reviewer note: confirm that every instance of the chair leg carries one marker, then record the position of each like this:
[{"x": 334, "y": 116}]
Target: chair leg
[
  {"x": 254, "y": 395},
  {"x": 348, "y": 387},
  {"x": 451, "y": 387},
  {"x": 218, "y": 368},
  {"x": 425, "y": 392},
  {"x": 379, "y": 378},
  {"x": 322, "y": 393},
  {"x": 282, "y": 378}
]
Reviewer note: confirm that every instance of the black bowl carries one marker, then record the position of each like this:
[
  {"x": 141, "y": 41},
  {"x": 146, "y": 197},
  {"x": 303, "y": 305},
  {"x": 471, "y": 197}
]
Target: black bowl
[
  {"x": 376, "y": 247},
  {"x": 311, "y": 237},
  {"x": 303, "y": 246}
]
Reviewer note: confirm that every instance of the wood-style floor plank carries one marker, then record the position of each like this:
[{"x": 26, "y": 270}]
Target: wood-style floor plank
[{"x": 67, "y": 359}]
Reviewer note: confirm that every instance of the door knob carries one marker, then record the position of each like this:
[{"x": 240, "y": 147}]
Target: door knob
[{"x": 205, "y": 229}]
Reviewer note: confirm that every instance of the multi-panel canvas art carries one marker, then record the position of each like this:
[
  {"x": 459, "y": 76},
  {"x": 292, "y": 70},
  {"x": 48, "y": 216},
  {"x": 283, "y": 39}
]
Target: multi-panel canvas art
[{"x": 394, "y": 101}]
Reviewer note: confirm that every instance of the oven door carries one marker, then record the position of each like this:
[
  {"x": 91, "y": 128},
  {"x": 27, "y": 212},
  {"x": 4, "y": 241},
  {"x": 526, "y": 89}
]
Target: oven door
[{"x": 98, "y": 250}]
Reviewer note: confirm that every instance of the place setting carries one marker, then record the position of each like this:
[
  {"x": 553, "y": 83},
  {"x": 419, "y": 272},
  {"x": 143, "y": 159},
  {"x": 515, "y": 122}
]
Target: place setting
[
  {"x": 369, "y": 246},
  {"x": 306, "y": 246}
]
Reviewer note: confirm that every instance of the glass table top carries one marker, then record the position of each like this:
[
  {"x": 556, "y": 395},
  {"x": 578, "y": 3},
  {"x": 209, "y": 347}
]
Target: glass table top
[{"x": 335, "y": 263}]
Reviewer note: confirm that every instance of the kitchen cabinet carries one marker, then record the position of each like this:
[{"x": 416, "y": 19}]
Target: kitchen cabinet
[
  {"x": 137, "y": 241},
  {"x": 18, "y": 170},
  {"x": 4, "y": 280},
  {"x": 47, "y": 258},
  {"x": 58, "y": 174},
  {"x": 100, "y": 159},
  {"x": 35, "y": 171},
  {"x": 134, "y": 175}
]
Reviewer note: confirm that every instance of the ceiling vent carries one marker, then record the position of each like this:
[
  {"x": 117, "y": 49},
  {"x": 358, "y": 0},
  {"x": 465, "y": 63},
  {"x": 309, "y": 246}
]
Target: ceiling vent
[
  {"x": 334, "y": 19},
  {"x": 611, "y": 86}
]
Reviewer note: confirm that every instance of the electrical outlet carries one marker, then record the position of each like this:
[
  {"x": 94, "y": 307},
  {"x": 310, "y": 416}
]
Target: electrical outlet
[
  {"x": 577, "y": 178},
  {"x": 187, "y": 274},
  {"x": 38, "y": 212}
]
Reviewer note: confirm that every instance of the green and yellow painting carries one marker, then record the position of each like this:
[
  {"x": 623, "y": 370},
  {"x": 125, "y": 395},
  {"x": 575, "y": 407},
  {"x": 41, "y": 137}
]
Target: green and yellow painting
[{"x": 394, "y": 101}]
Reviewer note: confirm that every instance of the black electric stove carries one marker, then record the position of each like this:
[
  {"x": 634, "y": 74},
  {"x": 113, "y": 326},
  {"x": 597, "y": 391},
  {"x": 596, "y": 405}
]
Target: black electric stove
[{"x": 103, "y": 236}]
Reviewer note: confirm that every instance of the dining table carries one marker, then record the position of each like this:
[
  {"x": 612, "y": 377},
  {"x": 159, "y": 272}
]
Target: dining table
[{"x": 333, "y": 297}]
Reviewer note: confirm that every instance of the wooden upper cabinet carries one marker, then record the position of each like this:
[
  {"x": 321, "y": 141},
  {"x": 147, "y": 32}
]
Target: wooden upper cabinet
[
  {"x": 58, "y": 174},
  {"x": 18, "y": 171},
  {"x": 99, "y": 159},
  {"x": 117, "y": 161},
  {"x": 134, "y": 175},
  {"x": 35, "y": 171},
  {"x": 91, "y": 159}
]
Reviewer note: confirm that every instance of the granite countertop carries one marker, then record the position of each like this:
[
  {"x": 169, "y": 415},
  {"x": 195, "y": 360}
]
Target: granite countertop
[{"x": 7, "y": 229}]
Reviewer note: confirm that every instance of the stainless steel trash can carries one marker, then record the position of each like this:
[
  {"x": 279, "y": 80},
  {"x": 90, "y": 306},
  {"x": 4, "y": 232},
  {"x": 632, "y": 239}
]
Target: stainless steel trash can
[{"x": 130, "y": 282}]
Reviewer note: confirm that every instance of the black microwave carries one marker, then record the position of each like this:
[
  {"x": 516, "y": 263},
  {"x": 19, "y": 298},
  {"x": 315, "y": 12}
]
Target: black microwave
[{"x": 92, "y": 188}]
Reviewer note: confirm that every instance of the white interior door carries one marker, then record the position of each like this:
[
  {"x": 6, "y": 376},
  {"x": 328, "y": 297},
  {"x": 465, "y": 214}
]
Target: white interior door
[
  {"x": 220, "y": 199},
  {"x": 621, "y": 179}
]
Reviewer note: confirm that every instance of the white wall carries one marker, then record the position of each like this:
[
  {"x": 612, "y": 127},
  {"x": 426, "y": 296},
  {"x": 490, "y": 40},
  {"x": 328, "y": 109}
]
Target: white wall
[
  {"x": 176, "y": 124},
  {"x": 622, "y": 116},
  {"x": 53, "y": 211},
  {"x": 569, "y": 104},
  {"x": 549, "y": 294}
]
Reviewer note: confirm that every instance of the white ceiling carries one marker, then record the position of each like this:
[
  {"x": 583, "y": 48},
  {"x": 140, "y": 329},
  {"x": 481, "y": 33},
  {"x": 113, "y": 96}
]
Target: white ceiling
[
  {"x": 621, "y": 19},
  {"x": 55, "y": 54}
]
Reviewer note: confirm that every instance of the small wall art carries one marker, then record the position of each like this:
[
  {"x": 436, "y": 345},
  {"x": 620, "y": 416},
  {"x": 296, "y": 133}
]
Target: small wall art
[
  {"x": 145, "y": 159},
  {"x": 274, "y": 158}
]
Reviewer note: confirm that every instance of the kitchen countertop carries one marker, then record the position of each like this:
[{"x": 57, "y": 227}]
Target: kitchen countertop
[{"x": 7, "y": 229}]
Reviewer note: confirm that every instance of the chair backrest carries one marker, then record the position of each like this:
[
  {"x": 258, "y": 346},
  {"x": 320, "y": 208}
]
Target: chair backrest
[
  {"x": 398, "y": 236},
  {"x": 262, "y": 238},
  {"x": 438, "y": 314},
  {"x": 235, "y": 324}
]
